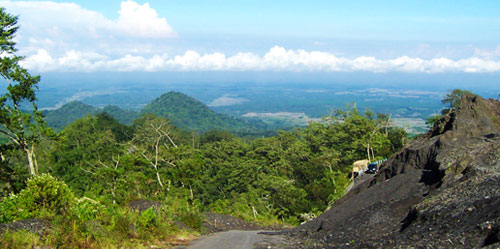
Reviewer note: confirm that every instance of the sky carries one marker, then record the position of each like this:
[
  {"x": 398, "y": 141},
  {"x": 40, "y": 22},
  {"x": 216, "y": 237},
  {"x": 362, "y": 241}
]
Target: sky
[{"x": 424, "y": 37}]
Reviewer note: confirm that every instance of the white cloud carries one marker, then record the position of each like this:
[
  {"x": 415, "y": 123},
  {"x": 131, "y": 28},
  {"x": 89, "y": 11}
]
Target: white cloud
[
  {"x": 487, "y": 53},
  {"x": 58, "y": 27},
  {"x": 276, "y": 59},
  {"x": 41, "y": 61},
  {"x": 142, "y": 20},
  {"x": 66, "y": 37}
]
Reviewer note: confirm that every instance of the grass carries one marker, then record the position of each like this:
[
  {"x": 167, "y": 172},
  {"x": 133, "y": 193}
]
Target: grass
[
  {"x": 20, "y": 239},
  {"x": 114, "y": 228}
]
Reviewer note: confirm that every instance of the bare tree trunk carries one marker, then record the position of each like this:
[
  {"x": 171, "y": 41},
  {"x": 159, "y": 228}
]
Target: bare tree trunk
[{"x": 31, "y": 162}]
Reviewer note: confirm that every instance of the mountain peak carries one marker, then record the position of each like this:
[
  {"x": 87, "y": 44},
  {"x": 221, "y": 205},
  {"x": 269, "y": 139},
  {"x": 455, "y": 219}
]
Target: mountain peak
[{"x": 188, "y": 113}]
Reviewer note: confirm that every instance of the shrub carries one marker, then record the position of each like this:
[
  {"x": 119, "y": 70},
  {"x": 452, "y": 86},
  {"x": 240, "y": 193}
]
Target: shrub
[
  {"x": 44, "y": 195},
  {"x": 11, "y": 211}
]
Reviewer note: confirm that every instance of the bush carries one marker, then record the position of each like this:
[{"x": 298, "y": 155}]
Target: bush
[
  {"x": 43, "y": 196},
  {"x": 44, "y": 193},
  {"x": 11, "y": 211}
]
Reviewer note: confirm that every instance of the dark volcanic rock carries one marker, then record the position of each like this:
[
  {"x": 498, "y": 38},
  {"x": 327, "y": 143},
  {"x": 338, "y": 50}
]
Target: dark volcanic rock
[
  {"x": 441, "y": 191},
  {"x": 38, "y": 226},
  {"x": 223, "y": 222},
  {"x": 142, "y": 205}
]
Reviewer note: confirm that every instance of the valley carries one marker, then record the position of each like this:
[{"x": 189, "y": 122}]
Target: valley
[{"x": 277, "y": 107}]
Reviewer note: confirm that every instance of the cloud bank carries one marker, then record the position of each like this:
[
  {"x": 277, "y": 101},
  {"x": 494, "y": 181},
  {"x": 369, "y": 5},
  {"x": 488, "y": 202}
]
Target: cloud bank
[
  {"x": 64, "y": 37},
  {"x": 276, "y": 59}
]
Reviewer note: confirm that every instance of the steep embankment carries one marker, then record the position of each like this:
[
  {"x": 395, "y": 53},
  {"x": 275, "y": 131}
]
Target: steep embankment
[{"x": 440, "y": 191}]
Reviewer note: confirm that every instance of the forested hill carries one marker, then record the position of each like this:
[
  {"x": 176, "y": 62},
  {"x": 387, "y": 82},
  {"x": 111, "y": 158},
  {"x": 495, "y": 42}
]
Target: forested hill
[
  {"x": 182, "y": 110},
  {"x": 68, "y": 113},
  {"x": 191, "y": 114},
  {"x": 74, "y": 110}
]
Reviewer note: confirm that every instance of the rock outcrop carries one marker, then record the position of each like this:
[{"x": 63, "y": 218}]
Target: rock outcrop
[{"x": 440, "y": 191}]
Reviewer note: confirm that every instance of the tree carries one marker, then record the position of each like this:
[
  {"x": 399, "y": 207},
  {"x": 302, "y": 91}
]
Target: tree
[
  {"x": 23, "y": 129},
  {"x": 454, "y": 98},
  {"x": 154, "y": 141},
  {"x": 82, "y": 148}
]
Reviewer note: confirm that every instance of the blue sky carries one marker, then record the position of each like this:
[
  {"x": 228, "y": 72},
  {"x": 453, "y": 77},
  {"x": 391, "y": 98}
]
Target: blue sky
[
  {"x": 361, "y": 20},
  {"x": 187, "y": 35}
]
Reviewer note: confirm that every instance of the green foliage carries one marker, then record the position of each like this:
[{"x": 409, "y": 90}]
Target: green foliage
[
  {"x": 87, "y": 209},
  {"x": 123, "y": 116},
  {"x": 216, "y": 136},
  {"x": 9, "y": 29},
  {"x": 10, "y": 210},
  {"x": 454, "y": 97},
  {"x": 453, "y": 100},
  {"x": 398, "y": 138},
  {"x": 44, "y": 192},
  {"x": 23, "y": 129},
  {"x": 192, "y": 220},
  {"x": 43, "y": 196},
  {"x": 86, "y": 152},
  {"x": 148, "y": 218},
  {"x": 13, "y": 172}
]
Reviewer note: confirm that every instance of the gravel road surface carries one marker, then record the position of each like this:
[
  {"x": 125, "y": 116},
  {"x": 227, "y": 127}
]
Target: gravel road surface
[{"x": 236, "y": 239}]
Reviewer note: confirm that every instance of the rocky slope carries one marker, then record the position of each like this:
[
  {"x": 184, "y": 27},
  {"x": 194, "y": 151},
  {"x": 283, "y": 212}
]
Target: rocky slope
[{"x": 441, "y": 191}]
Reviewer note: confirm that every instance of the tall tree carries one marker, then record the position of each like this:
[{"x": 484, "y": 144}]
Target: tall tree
[
  {"x": 22, "y": 128},
  {"x": 154, "y": 141},
  {"x": 454, "y": 97}
]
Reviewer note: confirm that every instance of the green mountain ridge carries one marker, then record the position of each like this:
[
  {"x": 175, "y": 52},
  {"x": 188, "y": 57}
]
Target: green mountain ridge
[
  {"x": 74, "y": 110},
  {"x": 188, "y": 113},
  {"x": 185, "y": 112},
  {"x": 68, "y": 113}
]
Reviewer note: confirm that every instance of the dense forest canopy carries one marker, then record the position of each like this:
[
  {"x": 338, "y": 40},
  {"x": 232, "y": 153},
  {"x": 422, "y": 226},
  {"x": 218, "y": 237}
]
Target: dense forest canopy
[{"x": 295, "y": 172}]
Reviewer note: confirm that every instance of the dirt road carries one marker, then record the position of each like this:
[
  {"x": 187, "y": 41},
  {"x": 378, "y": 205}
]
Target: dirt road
[{"x": 236, "y": 239}]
